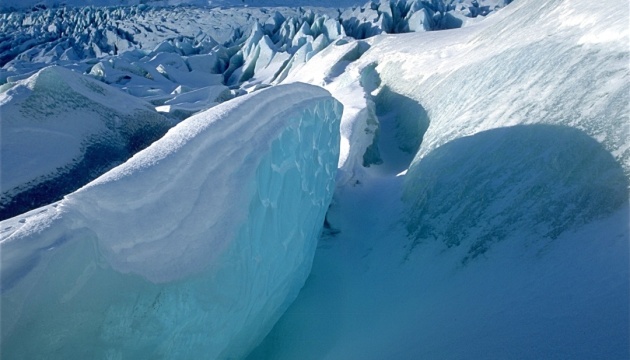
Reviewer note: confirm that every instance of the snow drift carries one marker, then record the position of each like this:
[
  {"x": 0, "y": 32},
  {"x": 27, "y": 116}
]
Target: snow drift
[
  {"x": 60, "y": 130},
  {"x": 191, "y": 249}
]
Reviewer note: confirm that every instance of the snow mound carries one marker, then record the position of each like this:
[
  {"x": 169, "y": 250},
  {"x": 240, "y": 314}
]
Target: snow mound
[
  {"x": 221, "y": 216},
  {"x": 185, "y": 150},
  {"x": 60, "y": 130},
  {"x": 191, "y": 249}
]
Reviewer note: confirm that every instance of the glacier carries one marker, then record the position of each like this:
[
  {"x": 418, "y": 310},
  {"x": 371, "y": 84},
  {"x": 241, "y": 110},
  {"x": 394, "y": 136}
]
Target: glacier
[
  {"x": 72, "y": 36},
  {"x": 192, "y": 248},
  {"x": 479, "y": 206}
]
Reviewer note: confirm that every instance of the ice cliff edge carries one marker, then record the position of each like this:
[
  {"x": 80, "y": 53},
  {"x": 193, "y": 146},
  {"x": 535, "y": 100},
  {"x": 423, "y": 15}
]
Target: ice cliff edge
[{"x": 192, "y": 248}]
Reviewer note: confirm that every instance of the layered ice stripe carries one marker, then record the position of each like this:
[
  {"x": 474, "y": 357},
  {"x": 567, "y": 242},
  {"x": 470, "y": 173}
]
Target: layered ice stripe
[{"x": 191, "y": 249}]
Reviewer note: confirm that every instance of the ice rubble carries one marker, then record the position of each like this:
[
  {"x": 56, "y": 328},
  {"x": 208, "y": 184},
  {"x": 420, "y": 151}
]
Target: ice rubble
[
  {"x": 191, "y": 249},
  {"x": 60, "y": 130}
]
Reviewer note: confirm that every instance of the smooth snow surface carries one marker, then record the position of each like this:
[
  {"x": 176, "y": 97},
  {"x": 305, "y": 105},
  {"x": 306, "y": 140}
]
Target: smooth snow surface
[{"x": 191, "y": 249}]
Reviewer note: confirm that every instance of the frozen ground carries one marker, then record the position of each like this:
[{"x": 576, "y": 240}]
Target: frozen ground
[{"x": 480, "y": 207}]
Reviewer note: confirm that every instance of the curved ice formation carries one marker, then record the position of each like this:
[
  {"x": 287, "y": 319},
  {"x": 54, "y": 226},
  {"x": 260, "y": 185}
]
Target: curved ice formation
[
  {"x": 332, "y": 68},
  {"x": 191, "y": 249},
  {"x": 520, "y": 182},
  {"x": 560, "y": 73},
  {"x": 60, "y": 130}
]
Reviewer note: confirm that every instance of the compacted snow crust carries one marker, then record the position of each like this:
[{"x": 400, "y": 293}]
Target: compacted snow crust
[{"x": 191, "y": 249}]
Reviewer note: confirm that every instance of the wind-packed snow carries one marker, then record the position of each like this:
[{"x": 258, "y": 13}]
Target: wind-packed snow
[
  {"x": 60, "y": 130},
  {"x": 191, "y": 249}
]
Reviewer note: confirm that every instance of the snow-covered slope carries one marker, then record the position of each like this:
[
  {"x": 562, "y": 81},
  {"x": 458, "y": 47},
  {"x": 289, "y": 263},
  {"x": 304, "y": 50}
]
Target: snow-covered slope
[
  {"x": 493, "y": 82},
  {"x": 191, "y": 249},
  {"x": 512, "y": 238},
  {"x": 60, "y": 130}
]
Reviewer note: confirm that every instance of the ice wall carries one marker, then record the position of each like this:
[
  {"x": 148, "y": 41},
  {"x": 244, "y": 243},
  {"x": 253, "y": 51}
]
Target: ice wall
[
  {"x": 191, "y": 249},
  {"x": 526, "y": 150}
]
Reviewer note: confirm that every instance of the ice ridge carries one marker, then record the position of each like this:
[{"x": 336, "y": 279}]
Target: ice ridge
[
  {"x": 192, "y": 249},
  {"x": 60, "y": 35}
]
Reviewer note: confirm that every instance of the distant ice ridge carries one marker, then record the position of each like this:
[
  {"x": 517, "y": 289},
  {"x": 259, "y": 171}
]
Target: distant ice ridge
[
  {"x": 474, "y": 6},
  {"x": 191, "y": 249},
  {"x": 67, "y": 35},
  {"x": 60, "y": 130}
]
